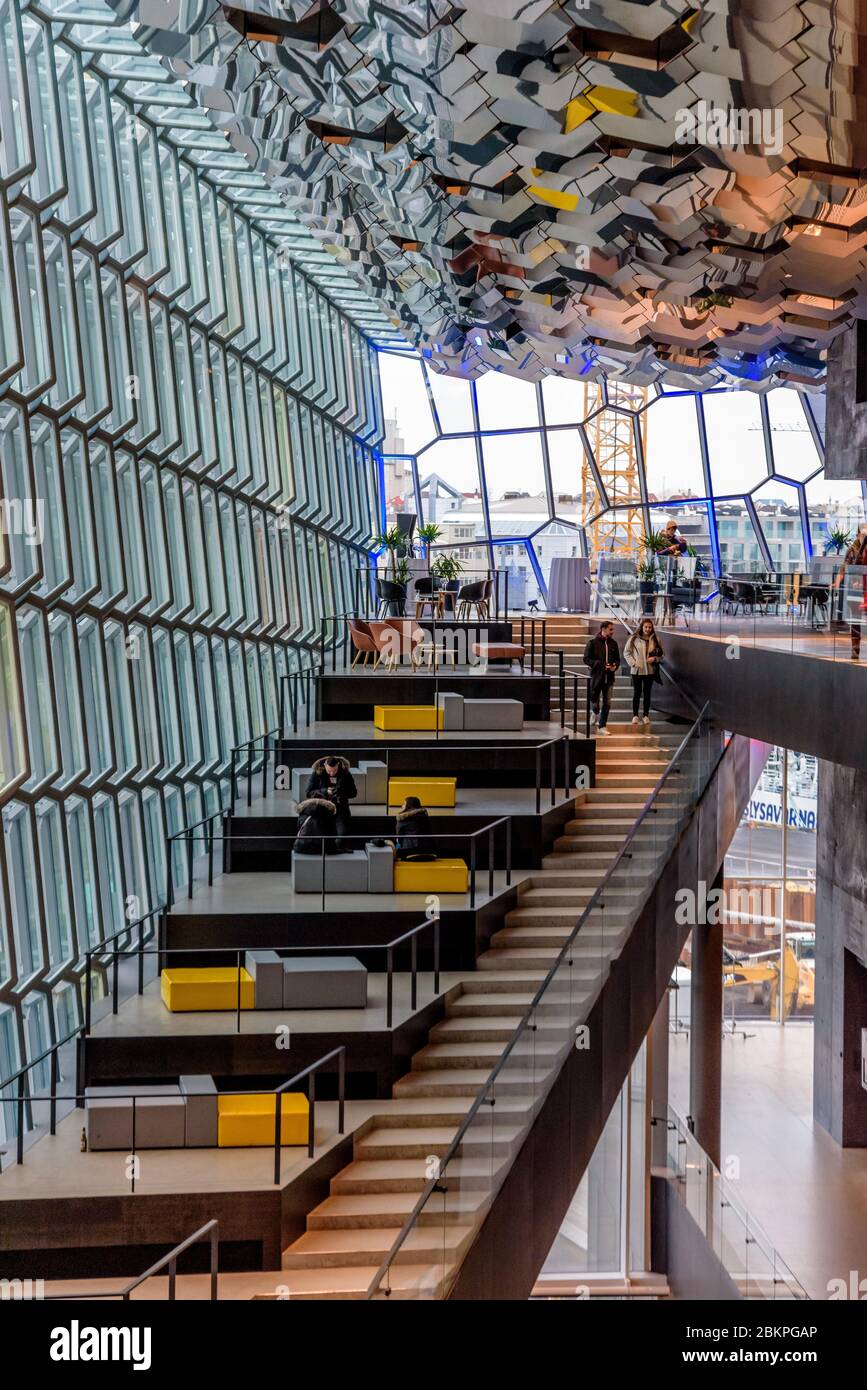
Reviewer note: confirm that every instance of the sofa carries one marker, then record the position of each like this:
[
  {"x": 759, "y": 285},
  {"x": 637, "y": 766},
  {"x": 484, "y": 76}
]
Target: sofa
[
  {"x": 370, "y": 779},
  {"x": 459, "y": 714},
  {"x": 375, "y": 870}
]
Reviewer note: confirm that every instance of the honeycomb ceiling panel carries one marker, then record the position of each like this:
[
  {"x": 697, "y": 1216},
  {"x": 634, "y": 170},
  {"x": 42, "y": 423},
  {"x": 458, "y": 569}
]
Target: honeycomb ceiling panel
[{"x": 658, "y": 191}]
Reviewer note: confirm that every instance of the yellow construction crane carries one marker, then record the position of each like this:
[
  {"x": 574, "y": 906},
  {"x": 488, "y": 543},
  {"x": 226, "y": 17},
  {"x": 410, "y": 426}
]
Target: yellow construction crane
[{"x": 618, "y": 530}]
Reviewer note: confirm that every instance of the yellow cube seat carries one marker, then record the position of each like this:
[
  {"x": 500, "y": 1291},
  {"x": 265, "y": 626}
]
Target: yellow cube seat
[
  {"x": 431, "y": 791},
  {"x": 247, "y": 1122},
  {"x": 205, "y": 989},
  {"x": 406, "y": 717},
  {"x": 434, "y": 876}
]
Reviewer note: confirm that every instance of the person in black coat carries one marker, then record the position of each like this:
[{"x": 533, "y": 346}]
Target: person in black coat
[
  {"x": 414, "y": 839},
  {"x": 602, "y": 656},
  {"x": 331, "y": 780},
  {"x": 316, "y": 822}
]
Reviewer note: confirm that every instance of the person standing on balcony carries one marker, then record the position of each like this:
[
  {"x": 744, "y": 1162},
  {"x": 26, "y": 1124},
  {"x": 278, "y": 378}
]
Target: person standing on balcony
[
  {"x": 602, "y": 656},
  {"x": 643, "y": 653}
]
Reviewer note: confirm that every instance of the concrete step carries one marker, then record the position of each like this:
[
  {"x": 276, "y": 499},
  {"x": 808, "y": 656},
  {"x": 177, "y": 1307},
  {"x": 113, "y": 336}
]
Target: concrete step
[
  {"x": 492, "y": 1005},
  {"x": 348, "y": 1282},
  {"x": 406, "y": 1175},
  {"x": 516, "y": 959},
  {"x": 366, "y": 1210},
  {"x": 427, "y": 1143},
  {"x": 366, "y": 1247},
  {"x": 484, "y": 1028},
  {"x": 461, "y": 1081},
  {"x": 577, "y": 898}
]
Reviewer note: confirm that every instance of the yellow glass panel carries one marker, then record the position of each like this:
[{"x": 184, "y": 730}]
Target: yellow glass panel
[
  {"x": 567, "y": 202},
  {"x": 613, "y": 100}
]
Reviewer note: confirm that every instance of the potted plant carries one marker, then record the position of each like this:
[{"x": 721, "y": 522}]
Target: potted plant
[
  {"x": 838, "y": 541},
  {"x": 648, "y": 572},
  {"x": 446, "y": 569},
  {"x": 429, "y": 535},
  {"x": 392, "y": 592}
]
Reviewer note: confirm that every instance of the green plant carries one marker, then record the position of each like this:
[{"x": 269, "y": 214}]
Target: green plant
[
  {"x": 838, "y": 541},
  {"x": 655, "y": 541},
  {"x": 447, "y": 568},
  {"x": 400, "y": 573},
  {"x": 391, "y": 540},
  {"x": 647, "y": 571},
  {"x": 429, "y": 535}
]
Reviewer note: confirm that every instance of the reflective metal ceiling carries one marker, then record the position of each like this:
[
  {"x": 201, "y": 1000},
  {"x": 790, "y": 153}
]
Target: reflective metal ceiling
[{"x": 658, "y": 191}]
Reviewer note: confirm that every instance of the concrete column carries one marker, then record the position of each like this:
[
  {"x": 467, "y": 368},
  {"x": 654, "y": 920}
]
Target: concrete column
[
  {"x": 705, "y": 1038},
  {"x": 839, "y": 1099},
  {"x": 846, "y": 405}
]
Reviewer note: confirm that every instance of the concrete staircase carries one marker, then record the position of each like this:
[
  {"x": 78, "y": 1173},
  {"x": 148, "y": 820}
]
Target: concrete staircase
[{"x": 395, "y": 1155}]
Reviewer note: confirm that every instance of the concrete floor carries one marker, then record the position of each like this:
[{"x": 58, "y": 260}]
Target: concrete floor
[
  {"x": 808, "y": 1194},
  {"x": 146, "y": 1016},
  {"x": 273, "y": 892},
  {"x": 471, "y": 801}
]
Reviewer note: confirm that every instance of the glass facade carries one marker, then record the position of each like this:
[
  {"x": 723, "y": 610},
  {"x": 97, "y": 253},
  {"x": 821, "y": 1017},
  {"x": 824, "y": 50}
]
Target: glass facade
[
  {"x": 189, "y": 432},
  {"x": 517, "y": 473}
]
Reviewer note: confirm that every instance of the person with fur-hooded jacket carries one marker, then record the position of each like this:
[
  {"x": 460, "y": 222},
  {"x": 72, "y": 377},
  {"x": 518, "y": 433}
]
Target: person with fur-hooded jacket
[
  {"x": 331, "y": 781},
  {"x": 317, "y": 821},
  {"x": 414, "y": 839}
]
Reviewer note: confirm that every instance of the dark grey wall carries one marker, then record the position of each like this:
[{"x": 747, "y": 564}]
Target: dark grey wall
[
  {"x": 845, "y": 418},
  {"x": 839, "y": 1100},
  {"x": 797, "y": 701},
  {"x": 520, "y": 1228},
  {"x": 681, "y": 1252}
]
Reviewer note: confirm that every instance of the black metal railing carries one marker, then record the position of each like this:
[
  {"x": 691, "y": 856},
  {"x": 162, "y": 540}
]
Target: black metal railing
[
  {"x": 310, "y": 1071},
  {"x": 210, "y": 1231},
  {"x": 484, "y": 1096},
  {"x": 470, "y": 837},
  {"x": 164, "y": 953}
]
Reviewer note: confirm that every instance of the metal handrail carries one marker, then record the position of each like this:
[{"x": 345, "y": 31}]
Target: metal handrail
[
  {"x": 79, "y": 1098},
  {"x": 537, "y": 748},
  {"x": 239, "y": 951},
  {"x": 211, "y": 1229},
  {"x": 366, "y": 837},
  {"x": 476, "y": 1106}
]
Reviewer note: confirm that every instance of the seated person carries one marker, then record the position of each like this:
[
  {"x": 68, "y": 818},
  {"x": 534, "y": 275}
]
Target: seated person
[
  {"x": 414, "y": 841},
  {"x": 317, "y": 820}
]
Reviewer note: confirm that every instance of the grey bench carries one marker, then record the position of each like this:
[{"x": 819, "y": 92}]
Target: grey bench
[
  {"x": 371, "y": 781},
  {"x": 344, "y": 873},
  {"x": 160, "y": 1117},
  {"x": 324, "y": 982},
  {"x": 200, "y": 1096},
  {"x": 266, "y": 969}
]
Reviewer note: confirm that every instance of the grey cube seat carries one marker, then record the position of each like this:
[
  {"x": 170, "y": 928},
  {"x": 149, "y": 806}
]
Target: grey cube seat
[
  {"x": 200, "y": 1095},
  {"x": 344, "y": 873},
  {"x": 266, "y": 968},
  {"x": 324, "y": 982},
  {"x": 452, "y": 706},
  {"x": 160, "y": 1117},
  {"x": 376, "y": 782},
  {"x": 493, "y": 714},
  {"x": 380, "y": 868}
]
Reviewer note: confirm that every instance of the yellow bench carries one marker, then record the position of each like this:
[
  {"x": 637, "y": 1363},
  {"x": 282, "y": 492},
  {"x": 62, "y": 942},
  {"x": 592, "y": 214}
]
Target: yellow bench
[
  {"x": 431, "y": 791},
  {"x": 206, "y": 989},
  {"x": 432, "y": 876},
  {"x": 246, "y": 1122},
  {"x": 406, "y": 717}
]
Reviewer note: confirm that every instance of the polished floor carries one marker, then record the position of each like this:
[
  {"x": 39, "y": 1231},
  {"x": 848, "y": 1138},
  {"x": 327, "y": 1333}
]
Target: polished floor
[
  {"x": 326, "y": 733},
  {"x": 808, "y": 1194}
]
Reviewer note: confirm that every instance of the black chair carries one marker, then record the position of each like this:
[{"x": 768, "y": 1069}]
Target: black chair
[
  {"x": 391, "y": 598},
  {"x": 472, "y": 596},
  {"x": 427, "y": 594}
]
